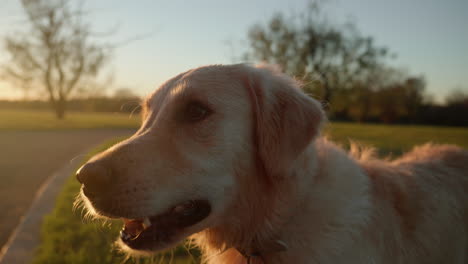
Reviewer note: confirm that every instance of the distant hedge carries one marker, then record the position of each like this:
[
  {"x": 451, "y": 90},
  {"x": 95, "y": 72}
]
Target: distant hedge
[
  {"x": 93, "y": 104},
  {"x": 68, "y": 239}
]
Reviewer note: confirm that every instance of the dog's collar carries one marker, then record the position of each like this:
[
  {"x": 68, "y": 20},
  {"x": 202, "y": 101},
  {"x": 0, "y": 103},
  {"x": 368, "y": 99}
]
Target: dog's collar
[{"x": 254, "y": 253}]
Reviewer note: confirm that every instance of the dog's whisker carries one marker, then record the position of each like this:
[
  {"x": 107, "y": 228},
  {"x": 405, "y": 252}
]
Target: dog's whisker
[
  {"x": 161, "y": 258},
  {"x": 188, "y": 246},
  {"x": 76, "y": 157},
  {"x": 172, "y": 256},
  {"x": 134, "y": 109}
]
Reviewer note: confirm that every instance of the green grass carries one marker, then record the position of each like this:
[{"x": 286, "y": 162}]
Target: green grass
[
  {"x": 66, "y": 239},
  {"x": 11, "y": 120},
  {"x": 396, "y": 138}
]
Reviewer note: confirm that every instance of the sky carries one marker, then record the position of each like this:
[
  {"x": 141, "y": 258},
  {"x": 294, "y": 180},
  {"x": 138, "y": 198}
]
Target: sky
[{"x": 429, "y": 37}]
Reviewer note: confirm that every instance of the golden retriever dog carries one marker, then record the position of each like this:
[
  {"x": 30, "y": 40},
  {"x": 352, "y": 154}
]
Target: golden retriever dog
[{"x": 232, "y": 157}]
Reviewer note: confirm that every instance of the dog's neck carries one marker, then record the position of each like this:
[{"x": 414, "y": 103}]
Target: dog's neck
[
  {"x": 259, "y": 222},
  {"x": 256, "y": 218},
  {"x": 277, "y": 209}
]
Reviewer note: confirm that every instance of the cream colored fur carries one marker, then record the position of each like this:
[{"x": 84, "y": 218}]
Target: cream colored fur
[{"x": 270, "y": 176}]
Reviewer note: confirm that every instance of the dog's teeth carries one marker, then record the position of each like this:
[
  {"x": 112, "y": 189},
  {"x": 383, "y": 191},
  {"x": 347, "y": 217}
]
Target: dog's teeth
[
  {"x": 146, "y": 222},
  {"x": 123, "y": 235}
]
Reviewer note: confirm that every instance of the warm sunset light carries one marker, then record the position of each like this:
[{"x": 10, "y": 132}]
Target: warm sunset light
[
  {"x": 428, "y": 37},
  {"x": 233, "y": 132}
]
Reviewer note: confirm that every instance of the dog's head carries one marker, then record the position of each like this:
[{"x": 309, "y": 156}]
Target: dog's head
[{"x": 206, "y": 134}]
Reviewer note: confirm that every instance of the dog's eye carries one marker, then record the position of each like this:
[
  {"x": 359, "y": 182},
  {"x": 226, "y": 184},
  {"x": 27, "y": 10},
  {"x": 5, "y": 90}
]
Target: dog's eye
[{"x": 196, "y": 111}]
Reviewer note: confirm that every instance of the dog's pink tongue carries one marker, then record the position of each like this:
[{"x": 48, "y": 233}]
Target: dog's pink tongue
[{"x": 133, "y": 227}]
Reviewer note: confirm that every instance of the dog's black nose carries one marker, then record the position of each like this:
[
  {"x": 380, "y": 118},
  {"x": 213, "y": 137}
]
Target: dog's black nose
[{"x": 94, "y": 176}]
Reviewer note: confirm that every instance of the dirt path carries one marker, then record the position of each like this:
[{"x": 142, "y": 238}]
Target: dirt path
[{"x": 27, "y": 161}]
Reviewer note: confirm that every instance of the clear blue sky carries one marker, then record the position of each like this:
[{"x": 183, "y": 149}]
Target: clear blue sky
[{"x": 430, "y": 37}]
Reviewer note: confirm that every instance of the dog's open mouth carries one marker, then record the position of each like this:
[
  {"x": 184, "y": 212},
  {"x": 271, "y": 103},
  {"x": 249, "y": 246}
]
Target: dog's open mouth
[{"x": 150, "y": 233}]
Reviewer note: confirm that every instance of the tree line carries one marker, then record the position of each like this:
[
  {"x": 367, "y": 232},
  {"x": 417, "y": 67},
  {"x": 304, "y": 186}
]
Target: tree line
[
  {"x": 118, "y": 103},
  {"x": 348, "y": 71}
]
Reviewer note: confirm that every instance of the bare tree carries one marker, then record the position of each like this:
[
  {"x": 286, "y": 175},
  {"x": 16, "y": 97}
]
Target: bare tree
[
  {"x": 309, "y": 46},
  {"x": 57, "y": 53}
]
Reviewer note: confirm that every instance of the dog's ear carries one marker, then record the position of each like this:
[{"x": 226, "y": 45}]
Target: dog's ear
[{"x": 286, "y": 119}]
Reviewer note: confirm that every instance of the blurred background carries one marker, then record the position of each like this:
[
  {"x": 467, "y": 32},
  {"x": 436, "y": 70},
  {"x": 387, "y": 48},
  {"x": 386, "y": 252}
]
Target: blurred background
[{"x": 390, "y": 74}]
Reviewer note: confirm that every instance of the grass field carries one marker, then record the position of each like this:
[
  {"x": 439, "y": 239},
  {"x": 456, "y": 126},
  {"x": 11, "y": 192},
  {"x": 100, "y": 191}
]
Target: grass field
[
  {"x": 67, "y": 239},
  {"x": 395, "y": 138},
  {"x": 11, "y": 120}
]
